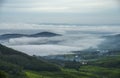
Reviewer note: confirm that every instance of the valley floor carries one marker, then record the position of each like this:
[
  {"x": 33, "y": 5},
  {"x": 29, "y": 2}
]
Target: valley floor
[{"x": 83, "y": 72}]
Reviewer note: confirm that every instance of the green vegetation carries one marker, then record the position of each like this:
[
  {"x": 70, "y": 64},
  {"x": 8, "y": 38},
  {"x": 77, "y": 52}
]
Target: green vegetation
[
  {"x": 108, "y": 62},
  {"x": 101, "y": 72},
  {"x": 84, "y": 72},
  {"x": 3, "y": 74},
  {"x": 33, "y": 75},
  {"x": 14, "y": 64}
]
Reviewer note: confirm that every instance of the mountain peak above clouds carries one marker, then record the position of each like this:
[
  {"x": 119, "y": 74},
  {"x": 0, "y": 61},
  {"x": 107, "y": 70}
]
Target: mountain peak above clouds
[
  {"x": 45, "y": 34},
  {"x": 41, "y": 34}
]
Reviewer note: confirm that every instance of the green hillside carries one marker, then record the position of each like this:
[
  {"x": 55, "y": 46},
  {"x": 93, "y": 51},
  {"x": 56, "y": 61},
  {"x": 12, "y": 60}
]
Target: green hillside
[{"x": 14, "y": 64}]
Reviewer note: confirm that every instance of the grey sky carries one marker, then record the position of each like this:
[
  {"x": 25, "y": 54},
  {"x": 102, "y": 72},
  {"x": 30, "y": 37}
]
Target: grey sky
[{"x": 61, "y": 11}]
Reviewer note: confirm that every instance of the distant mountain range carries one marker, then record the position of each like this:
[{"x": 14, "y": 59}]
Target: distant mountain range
[
  {"x": 111, "y": 42},
  {"x": 44, "y": 34},
  {"x": 41, "y": 34},
  {"x": 113, "y": 36}
]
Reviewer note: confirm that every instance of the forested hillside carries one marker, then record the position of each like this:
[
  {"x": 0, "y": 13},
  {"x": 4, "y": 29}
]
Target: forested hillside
[{"x": 15, "y": 64}]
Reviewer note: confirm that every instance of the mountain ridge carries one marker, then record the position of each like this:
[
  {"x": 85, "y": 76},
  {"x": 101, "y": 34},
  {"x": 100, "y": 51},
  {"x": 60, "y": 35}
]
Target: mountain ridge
[{"x": 41, "y": 34}]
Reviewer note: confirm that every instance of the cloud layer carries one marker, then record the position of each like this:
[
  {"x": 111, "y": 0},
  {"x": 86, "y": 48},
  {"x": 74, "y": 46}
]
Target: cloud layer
[
  {"x": 59, "y": 6},
  {"x": 74, "y": 38},
  {"x": 61, "y": 28},
  {"x": 49, "y": 46},
  {"x": 61, "y": 11}
]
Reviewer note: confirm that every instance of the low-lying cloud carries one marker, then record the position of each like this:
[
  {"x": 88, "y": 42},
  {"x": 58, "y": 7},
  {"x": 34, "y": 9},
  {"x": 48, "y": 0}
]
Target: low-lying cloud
[
  {"x": 55, "y": 45},
  {"x": 60, "y": 28},
  {"x": 74, "y": 38},
  {"x": 44, "y": 50}
]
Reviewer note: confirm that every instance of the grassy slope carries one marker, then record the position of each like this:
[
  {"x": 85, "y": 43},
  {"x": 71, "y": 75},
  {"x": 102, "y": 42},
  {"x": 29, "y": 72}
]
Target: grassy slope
[
  {"x": 101, "y": 72},
  {"x": 103, "y": 68},
  {"x": 33, "y": 75},
  {"x": 109, "y": 62},
  {"x": 13, "y": 63},
  {"x": 24, "y": 60},
  {"x": 84, "y": 72}
]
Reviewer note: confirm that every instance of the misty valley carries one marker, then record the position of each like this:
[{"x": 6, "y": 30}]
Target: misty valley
[
  {"x": 59, "y": 38},
  {"x": 71, "y": 52}
]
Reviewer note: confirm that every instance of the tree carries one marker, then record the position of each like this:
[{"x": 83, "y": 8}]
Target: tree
[{"x": 3, "y": 74}]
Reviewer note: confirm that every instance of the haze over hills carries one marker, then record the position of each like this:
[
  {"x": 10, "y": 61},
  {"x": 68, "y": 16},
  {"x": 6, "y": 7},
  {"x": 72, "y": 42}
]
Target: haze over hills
[
  {"x": 108, "y": 47},
  {"x": 70, "y": 40},
  {"x": 59, "y": 39},
  {"x": 41, "y": 34},
  {"x": 74, "y": 54},
  {"x": 112, "y": 42}
]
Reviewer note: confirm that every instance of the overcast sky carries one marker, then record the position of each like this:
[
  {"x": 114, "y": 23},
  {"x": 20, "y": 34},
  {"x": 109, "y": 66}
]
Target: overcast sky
[{"x": 60, "y": 11}]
